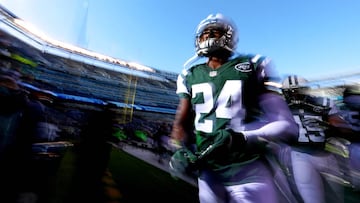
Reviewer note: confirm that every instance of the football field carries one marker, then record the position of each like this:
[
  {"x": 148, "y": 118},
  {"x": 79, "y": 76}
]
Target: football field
[
  {"x": 139, "y": 181},
  {"x": 127, "y": 180}
]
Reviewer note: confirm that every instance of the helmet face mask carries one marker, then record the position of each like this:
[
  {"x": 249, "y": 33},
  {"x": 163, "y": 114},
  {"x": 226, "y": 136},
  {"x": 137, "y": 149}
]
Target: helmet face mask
[
  {"x": 215, "y": 36},
  {"x": 212, "y": 33},
  {"x": 294, "y": 94}
]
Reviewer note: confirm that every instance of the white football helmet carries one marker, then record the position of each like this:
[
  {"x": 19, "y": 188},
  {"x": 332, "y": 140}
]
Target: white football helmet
[
  {"x": 226, "y": 42},
  {"x": 293, "y": 81},
  {"x": 294, "y": 87}
]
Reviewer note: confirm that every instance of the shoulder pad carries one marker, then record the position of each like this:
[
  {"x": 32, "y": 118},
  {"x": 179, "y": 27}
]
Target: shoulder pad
[{"x": 256, "y": 58}]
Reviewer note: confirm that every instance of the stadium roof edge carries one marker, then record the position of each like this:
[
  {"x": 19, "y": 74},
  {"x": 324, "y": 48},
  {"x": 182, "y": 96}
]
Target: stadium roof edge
[{"x": 8, "y": 25}]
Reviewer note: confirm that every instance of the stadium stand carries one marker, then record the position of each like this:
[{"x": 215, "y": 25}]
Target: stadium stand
[{"x": 75, "y": 78}]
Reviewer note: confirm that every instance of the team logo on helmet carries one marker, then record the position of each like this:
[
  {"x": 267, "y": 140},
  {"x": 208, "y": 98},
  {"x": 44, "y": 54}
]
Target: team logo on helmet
[{"x": 243, "y": 67}]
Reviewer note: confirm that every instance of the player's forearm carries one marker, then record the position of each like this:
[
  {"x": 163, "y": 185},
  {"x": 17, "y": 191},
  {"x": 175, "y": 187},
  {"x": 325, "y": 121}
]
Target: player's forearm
[
  {"x": 278, "y": 130},
  {"x": 178, "y": 133}
]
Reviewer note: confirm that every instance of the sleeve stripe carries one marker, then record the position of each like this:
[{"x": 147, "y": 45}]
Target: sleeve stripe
[
  {"x": 255, "y": 58},
  {"x": 181, "y": 87}
]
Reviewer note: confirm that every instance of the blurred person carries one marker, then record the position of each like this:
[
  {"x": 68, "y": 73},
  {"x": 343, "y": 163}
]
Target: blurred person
[
  {"x": 347, "y": 120},
  {"x": 345, "y": 127},
  {"x": 216, "y": 125},
  {"x": 311, "y": 166},
  {"x": 93, "y": 155},
  {"x": 19, "y": 118},
  {"x": 159, "y": 135},
  {"x": 48, "y": 130}
]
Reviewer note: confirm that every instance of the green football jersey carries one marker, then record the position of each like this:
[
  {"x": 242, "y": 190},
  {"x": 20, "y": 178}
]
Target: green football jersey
[{"x": 225, "y": 98}]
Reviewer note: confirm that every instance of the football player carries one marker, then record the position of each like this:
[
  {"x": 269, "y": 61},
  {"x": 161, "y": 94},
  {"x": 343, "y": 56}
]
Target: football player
[
  {"x": 228, "y": 105},
  {"x": 345, "y": 123},
  {"x": 310, "y": 163}
]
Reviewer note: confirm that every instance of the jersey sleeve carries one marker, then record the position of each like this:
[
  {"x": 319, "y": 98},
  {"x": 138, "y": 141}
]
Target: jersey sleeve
[{"x": 182, "y": 89}]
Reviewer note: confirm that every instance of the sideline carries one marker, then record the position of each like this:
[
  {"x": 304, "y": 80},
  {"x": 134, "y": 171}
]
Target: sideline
[{"x": 151, "y": 158}]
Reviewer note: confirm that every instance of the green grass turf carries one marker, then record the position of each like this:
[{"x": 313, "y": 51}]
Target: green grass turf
[
  {"x": 139, "y": 181},
  {"x": 135, "y": 179}
]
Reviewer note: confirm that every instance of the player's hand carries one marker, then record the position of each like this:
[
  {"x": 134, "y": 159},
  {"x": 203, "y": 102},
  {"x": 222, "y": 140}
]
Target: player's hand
[{"x": 183, "y": 161}]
